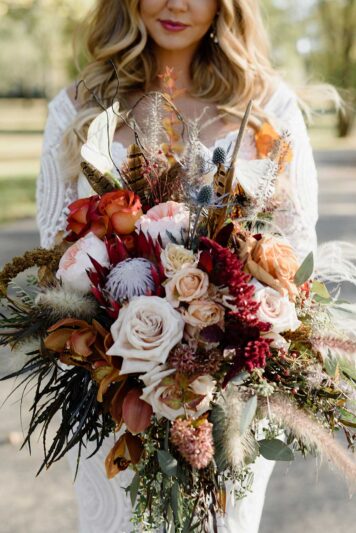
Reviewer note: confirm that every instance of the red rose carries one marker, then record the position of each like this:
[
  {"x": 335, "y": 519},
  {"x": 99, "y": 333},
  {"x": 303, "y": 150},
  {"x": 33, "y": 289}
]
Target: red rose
[
  {"x": 123, "y": 209},
  {"x": 85, "y": 217}
]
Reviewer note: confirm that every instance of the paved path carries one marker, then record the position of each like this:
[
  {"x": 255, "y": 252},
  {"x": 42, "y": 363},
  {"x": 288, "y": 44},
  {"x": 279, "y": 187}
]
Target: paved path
[{"x": 302, "y": 497}]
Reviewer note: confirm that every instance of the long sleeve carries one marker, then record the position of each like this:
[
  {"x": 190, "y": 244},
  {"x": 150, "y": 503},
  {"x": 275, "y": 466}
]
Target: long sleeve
[
  {"x": 54, "y": 191},
  {"x": 298, "y": 214}
]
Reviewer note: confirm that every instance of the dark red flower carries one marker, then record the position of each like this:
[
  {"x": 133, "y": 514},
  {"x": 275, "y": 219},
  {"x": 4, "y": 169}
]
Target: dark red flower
[
  {"x": 84, "y": 217},
  {"x": 146, "y": 252}
]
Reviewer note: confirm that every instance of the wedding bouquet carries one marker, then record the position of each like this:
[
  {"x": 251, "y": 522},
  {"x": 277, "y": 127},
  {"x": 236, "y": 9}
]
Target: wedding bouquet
[{"x": 173, "y": 317}]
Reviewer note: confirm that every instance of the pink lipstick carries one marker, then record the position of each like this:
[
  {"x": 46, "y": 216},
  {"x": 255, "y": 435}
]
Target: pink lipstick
[{"x": 171, "y": 25}]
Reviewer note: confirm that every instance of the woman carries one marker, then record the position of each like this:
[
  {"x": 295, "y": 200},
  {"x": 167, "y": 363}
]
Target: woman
[{"x": 219, "y": 50}]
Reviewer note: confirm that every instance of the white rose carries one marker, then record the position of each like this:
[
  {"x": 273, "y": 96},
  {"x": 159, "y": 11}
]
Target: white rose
[
  {"x": 75, "y": 262},
  {"x": 203, "y": 385},
  {"x": 276, "y": 309},
  {"x": 144, "y": 333},
  {"x": 175, "y": 257}
]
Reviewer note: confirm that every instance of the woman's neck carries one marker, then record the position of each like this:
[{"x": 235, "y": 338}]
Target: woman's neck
[{"x": 179, "y": 61}]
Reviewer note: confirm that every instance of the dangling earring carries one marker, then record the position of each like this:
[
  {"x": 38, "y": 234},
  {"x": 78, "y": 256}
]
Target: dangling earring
[{"x": 213, "y": 33}]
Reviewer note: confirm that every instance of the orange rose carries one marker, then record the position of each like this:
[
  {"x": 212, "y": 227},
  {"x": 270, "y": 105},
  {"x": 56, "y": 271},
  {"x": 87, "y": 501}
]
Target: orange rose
[{"x": 123, "y": 208}]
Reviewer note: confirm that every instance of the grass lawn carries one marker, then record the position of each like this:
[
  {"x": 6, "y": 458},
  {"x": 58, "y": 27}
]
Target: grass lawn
[{"x": 21, "y": 126}]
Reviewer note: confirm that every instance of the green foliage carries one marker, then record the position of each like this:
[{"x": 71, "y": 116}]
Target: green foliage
[{"x": 275, "y": 450}]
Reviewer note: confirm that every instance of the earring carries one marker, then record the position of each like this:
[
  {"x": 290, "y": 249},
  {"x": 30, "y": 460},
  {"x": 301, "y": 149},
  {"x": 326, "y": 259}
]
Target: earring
[{"x": 213, "y": 33}]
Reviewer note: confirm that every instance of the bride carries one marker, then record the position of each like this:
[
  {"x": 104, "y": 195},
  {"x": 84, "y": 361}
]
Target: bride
[{"x": 219, "y": 52}]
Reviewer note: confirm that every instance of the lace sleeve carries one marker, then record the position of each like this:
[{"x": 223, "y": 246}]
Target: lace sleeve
[
  {"x": 298, "y": 214},
  {"x": 54, "y": 191}
]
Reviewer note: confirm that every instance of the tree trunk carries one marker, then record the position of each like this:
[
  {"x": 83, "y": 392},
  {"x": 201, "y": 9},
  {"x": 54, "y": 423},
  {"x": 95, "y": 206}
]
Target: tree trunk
[{"x": 344, "y": 123}]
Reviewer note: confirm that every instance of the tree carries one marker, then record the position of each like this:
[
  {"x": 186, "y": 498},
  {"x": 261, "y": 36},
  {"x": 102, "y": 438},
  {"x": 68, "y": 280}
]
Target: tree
[{"x": 336, "y": 58}]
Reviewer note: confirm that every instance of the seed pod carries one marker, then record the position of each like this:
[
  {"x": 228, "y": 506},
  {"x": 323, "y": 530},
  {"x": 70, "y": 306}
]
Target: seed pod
[{"x": 101, "y": 183}]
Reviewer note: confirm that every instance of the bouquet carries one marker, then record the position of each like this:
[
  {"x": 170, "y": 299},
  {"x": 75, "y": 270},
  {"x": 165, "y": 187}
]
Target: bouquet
[{"x": 172, "y": 316}]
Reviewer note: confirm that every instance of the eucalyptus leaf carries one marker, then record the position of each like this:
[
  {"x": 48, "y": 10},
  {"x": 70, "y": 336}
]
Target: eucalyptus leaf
[
  {"x": 320, "y": 290},
  {"x": 248, "y": 414},
  {"x": 331, "y": 366},
  {"x": 321, "y": 300},
  {"x": 176, "y": 502},
  {"x": 305, "y": 271},
  {"x": 135, "y": 484},
  {"x": 240, "y": 378},
  {"x": 167, "y": 463},
  {"x": 275, "y": 450}
]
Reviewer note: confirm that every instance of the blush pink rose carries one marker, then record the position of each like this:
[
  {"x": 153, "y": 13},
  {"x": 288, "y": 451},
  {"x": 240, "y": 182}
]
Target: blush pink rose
[{"x": 169, "y": 216}]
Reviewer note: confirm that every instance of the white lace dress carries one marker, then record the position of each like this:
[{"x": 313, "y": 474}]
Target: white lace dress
[{"x": 104, "y": 506}]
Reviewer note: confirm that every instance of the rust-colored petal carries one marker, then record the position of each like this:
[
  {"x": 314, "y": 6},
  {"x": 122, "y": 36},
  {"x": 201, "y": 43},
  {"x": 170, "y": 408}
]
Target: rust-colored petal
[
  {"x": 136, "y": 412},
  {"x": 57, "y": 340},
  {"x": 118, "y": 400},
  {"x": 82, "y": 340},
  {"x": 134, "y": 448},
  {"x": 113, "y": 375},
  {"x": 69, "y": 322},
  {"x": 115, "y": 461}
]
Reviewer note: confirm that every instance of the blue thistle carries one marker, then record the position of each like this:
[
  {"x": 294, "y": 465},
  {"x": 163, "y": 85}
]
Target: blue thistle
[
  {"x": 205, "y": 195},
  {"x": 219, "y": 156}
]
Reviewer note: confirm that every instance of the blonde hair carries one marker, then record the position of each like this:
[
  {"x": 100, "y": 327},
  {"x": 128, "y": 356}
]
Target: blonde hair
[{"x": 228, "y": 74}]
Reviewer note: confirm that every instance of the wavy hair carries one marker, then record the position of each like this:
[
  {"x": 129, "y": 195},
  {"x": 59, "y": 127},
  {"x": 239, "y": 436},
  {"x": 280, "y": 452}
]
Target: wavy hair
[{"x": 228, "y": 75}]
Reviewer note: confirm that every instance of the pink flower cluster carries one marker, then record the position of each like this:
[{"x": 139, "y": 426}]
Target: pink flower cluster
[{"x": 194, "y": 441}]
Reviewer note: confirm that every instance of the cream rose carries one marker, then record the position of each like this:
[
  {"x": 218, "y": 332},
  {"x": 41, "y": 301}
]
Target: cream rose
[
  {"x": 204, "y": 385},
  {"x": 175, "y": 257},
  {"x": 73, "y": 266},
  {"x": 144, "y": 333},
  {"x": 187, "y": 285},
  {"x": 278, "y": 310},
  {"x": 203, "y": 313}
]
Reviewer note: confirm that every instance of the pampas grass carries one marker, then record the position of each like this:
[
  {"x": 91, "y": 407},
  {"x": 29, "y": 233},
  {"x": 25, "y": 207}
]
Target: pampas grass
[
  {"x": 311, "y": 433},
  {"x": 60, "y": 303}
]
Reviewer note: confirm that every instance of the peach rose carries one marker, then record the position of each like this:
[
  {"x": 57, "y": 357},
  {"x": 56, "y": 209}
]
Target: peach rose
[
  {"x": 203, "y": 313},
  {"x": 273, "y": 262},
  {"x": 123, "y": 208},
  {"x": 187, "y": 285}
]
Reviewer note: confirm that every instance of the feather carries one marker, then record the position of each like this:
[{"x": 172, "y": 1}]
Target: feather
[
  {"x": 135, "y": 168},
  {"x": 336, "y": 262},
  {"x": 99, "y": 182}
]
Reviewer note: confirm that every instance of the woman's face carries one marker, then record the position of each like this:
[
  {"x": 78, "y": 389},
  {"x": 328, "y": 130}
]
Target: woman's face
[{"x": 178, "y": 24}]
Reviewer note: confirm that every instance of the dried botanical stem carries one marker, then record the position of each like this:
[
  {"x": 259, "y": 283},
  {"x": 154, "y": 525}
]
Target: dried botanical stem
[
  {"x": 311, "y": 433},
  {"x": 231, "y": 170},
  {"x": 38, "y": 257}
]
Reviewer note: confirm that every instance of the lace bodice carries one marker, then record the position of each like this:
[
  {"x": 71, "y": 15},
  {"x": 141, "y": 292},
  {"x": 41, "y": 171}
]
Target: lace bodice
[{"x": 297, "y": 215}]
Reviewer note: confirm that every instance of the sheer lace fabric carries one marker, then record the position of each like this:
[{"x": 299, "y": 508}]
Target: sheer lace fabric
[{"x": 104, "y": 506}]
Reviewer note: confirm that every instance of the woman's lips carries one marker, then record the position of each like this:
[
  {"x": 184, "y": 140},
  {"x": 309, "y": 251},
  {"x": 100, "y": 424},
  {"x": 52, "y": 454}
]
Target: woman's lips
[{"x": 169, "y": 25}]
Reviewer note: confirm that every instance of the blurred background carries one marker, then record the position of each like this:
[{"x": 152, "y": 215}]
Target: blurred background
[{"x": 313, "y": 41}]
